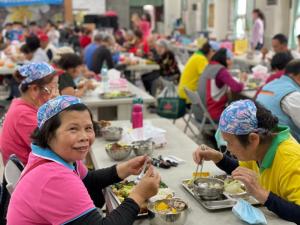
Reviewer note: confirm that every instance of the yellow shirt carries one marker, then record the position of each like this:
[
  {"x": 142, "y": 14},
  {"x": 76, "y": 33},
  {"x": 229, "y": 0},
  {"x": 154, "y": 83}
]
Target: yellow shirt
[
  {"x": 192, "y": 71},
  {"x": 280, "y": 168}
]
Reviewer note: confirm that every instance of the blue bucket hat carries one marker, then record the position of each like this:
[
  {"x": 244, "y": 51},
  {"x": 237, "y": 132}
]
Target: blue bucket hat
[
  {"x": 239, "y": 118},
  {"x": 35, "y": 71},
  {"x": 54, "y": 107}
]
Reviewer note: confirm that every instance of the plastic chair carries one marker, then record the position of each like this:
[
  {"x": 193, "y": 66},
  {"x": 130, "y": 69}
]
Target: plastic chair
[
  {"x": 199, "y": 116},
  {"x": 12, "y": 172}
]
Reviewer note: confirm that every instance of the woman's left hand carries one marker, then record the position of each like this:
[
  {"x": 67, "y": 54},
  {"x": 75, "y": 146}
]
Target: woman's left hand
[
  {"x": 250, "y": 179},
  {"x": 132, "y": 166}
]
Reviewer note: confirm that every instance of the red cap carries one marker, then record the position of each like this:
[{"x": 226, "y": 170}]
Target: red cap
[{"x": 43, "y": 37}]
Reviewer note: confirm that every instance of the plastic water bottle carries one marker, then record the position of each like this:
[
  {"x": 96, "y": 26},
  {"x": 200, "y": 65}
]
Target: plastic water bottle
[
  {"x": 104, "y": 76},
  {"x": 137, "y": 113}
]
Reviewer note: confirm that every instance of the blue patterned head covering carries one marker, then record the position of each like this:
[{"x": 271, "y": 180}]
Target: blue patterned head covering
[
  {"x": 35, "y": 71},
  {"x": 55, "y": 106},
  {"x": 214, "y": 45},
  {"x": 239, "y": 118}
]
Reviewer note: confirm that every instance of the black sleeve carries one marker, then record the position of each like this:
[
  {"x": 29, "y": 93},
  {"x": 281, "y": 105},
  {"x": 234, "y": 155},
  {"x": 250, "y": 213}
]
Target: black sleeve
[
  {"x": 97, "y": 180},
  {"x": 284, "y": 209},
  {"x": 125, "y": 214},
  {"x": 109, "y": 59},
  {"x": 228, "y": 164},
  {"x": 64, "y": 81},
  {"x": 97, "y": 60}
]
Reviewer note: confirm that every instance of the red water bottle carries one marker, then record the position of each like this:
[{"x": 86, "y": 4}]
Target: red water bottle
[{"x": 137, "y": 116}]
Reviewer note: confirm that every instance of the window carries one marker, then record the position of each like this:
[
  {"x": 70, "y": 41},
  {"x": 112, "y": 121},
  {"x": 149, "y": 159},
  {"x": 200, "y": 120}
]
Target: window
[
  {"x": 240, "y": 18},
  {"x": 296, "y": 25}
]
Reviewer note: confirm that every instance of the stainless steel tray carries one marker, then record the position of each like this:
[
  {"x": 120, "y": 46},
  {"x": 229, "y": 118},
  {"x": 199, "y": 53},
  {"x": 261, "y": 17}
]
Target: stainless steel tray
[
  {"x": 117, "y": 202},
  {"x": 227, "y": 202}
]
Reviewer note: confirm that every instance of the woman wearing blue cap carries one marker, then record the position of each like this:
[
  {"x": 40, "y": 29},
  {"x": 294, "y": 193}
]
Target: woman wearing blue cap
[
  {"x": 38, "y": 83},
  {"x": 215, "y": 81},
  {"x": 268, "y": 157},
  {"x": 55, "y": 186}
]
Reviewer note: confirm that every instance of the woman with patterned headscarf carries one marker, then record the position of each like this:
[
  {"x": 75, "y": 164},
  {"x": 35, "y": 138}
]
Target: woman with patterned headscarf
[
  {"x": 38, "y": 84},
  {"x": 268, "y": 157}
]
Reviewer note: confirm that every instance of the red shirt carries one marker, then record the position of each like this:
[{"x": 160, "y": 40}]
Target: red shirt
[{"x": 85, "y": 41}]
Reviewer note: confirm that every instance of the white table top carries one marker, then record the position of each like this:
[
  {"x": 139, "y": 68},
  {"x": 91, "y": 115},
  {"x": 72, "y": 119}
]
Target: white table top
[
  {"x": 181, "y": 146},
  {"x": 5, "y": 70},
  {"x": 142, "y": 67},
  {"x": 257, "y": 59},
  {"x": 92, "y": 98}
]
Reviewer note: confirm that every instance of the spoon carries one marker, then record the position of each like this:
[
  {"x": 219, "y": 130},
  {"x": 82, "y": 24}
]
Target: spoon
[
  {"x": 140, "y": 176},
  {"x": 202, "y": 147}
]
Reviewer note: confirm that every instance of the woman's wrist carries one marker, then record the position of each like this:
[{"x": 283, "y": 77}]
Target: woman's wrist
[
  {"x": 139, "y": 200},
  {"x": 262, "y": 195},
  {"x": 122, "y": 170},
  {"x": 218, "y": 158}
]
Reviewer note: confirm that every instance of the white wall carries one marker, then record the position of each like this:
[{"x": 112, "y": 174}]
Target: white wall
[
  {"x": 172, "y": 11},
  {"x": 221, "y": 21},
  {"x": 90, "y": 6},
  {"x": 277, "y": 18}
]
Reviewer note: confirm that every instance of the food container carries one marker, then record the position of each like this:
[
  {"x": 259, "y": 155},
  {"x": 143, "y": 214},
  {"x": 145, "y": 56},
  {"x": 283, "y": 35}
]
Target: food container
[
  {"x": 118, "y": 151},
  {"x": 208, "y": 188},
  {"x": 112, "y": 133},
  {"x": 172, "y": 211},
  {"x": 143, "y": 147}
]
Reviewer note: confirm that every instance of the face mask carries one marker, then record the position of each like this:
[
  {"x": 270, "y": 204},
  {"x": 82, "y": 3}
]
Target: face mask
[
  {"x": 77, "y": 79},
  {"x": 219, "y": 139},
  {"x": 246, "y": 212}
]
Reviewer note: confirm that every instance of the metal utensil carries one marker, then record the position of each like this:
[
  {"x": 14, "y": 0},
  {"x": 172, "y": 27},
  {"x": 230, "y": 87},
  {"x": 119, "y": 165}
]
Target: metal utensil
[
  {"x": 203, "y": 147},
  {"x": 142, "y": 173}
]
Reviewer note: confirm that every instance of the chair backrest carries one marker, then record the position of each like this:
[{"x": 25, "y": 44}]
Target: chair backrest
[
  {"x": 198, "y": 109},
  {"x": 12, "y": 172}
]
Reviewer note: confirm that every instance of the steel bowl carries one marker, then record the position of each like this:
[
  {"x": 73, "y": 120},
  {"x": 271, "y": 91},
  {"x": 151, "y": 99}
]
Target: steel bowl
[
  {"x": 112, "y": 133},
  {"x": 118, "y": 152},
  {"x": 208, "y": 188},
  {"x": 158, "y": 218},
  {"x": 143, "y": 147}
]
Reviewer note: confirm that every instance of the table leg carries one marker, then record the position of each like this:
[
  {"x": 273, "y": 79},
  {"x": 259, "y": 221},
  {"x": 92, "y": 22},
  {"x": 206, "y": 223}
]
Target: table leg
[{"x": 124, "y": 112}]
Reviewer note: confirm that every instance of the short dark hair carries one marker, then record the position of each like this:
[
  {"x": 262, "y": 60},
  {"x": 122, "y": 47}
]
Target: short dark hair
[
  {"x": 280, "y": 60},
  {"x": 33, "y": 42},
  {"x": 266, "y": 120},
  {"x": 205, "y": 49},
  {"x": 42, "y": 136},
  {"x": 298, "y": 36},
  {"x": 69, "y": 61},
  {"x": 220, "y": 56},
  {"x": 259, "y": 13},
  {"x": 293, "y": 67},
  {"x": 281, "y": 38},
  {"x": 25, "y": 49}
]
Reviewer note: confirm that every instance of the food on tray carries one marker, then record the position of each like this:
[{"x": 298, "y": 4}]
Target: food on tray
[
  {"x": 117, "y": 94},
  {"x": 117, "y": 146},
  {"x": 252, "y": 85},
  {"x": 104, "y": 123},
  {"x": 233, "y": 186},
  {"x": 123, "y": 189},
  {"x": 171, "y": 206},
  {"x": 10, "y": 65}
]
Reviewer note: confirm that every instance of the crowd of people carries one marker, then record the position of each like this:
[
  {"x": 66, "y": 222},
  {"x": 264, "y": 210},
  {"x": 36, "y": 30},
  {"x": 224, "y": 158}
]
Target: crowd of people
[{"x": 51, "y": 131}]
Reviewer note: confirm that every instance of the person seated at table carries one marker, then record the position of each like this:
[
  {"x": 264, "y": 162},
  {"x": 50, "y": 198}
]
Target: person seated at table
[
  {"x": 279, "y": 44},
  {"x": 38, "y": 83},
  {"x": 39, "y": 55},
  {"x": 139, "y": 46},
  {"x": 215, "y": 81},
  {"x": 47, "y": 46},
  {"x": 69, "y": 82},
  {"x": 168, "y": 67},
  {"x": 56, "y": 187},
  {"x": 268, "y": 157},
  {"x": 282, "y": 97},
  {"x": 90, "y": 50},
  {"x": 102, "y": 55},
  {"x": 194, "y": 68},
  {"x": 278, "y": 64}
]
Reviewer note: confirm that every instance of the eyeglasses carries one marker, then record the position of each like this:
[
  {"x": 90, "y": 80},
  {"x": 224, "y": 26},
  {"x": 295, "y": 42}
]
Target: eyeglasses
[{"x": 51, "y": 90}]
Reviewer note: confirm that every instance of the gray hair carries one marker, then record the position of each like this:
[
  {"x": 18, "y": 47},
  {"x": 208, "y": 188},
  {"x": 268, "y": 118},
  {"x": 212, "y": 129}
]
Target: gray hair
[{"x": 163, "y": 43}]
